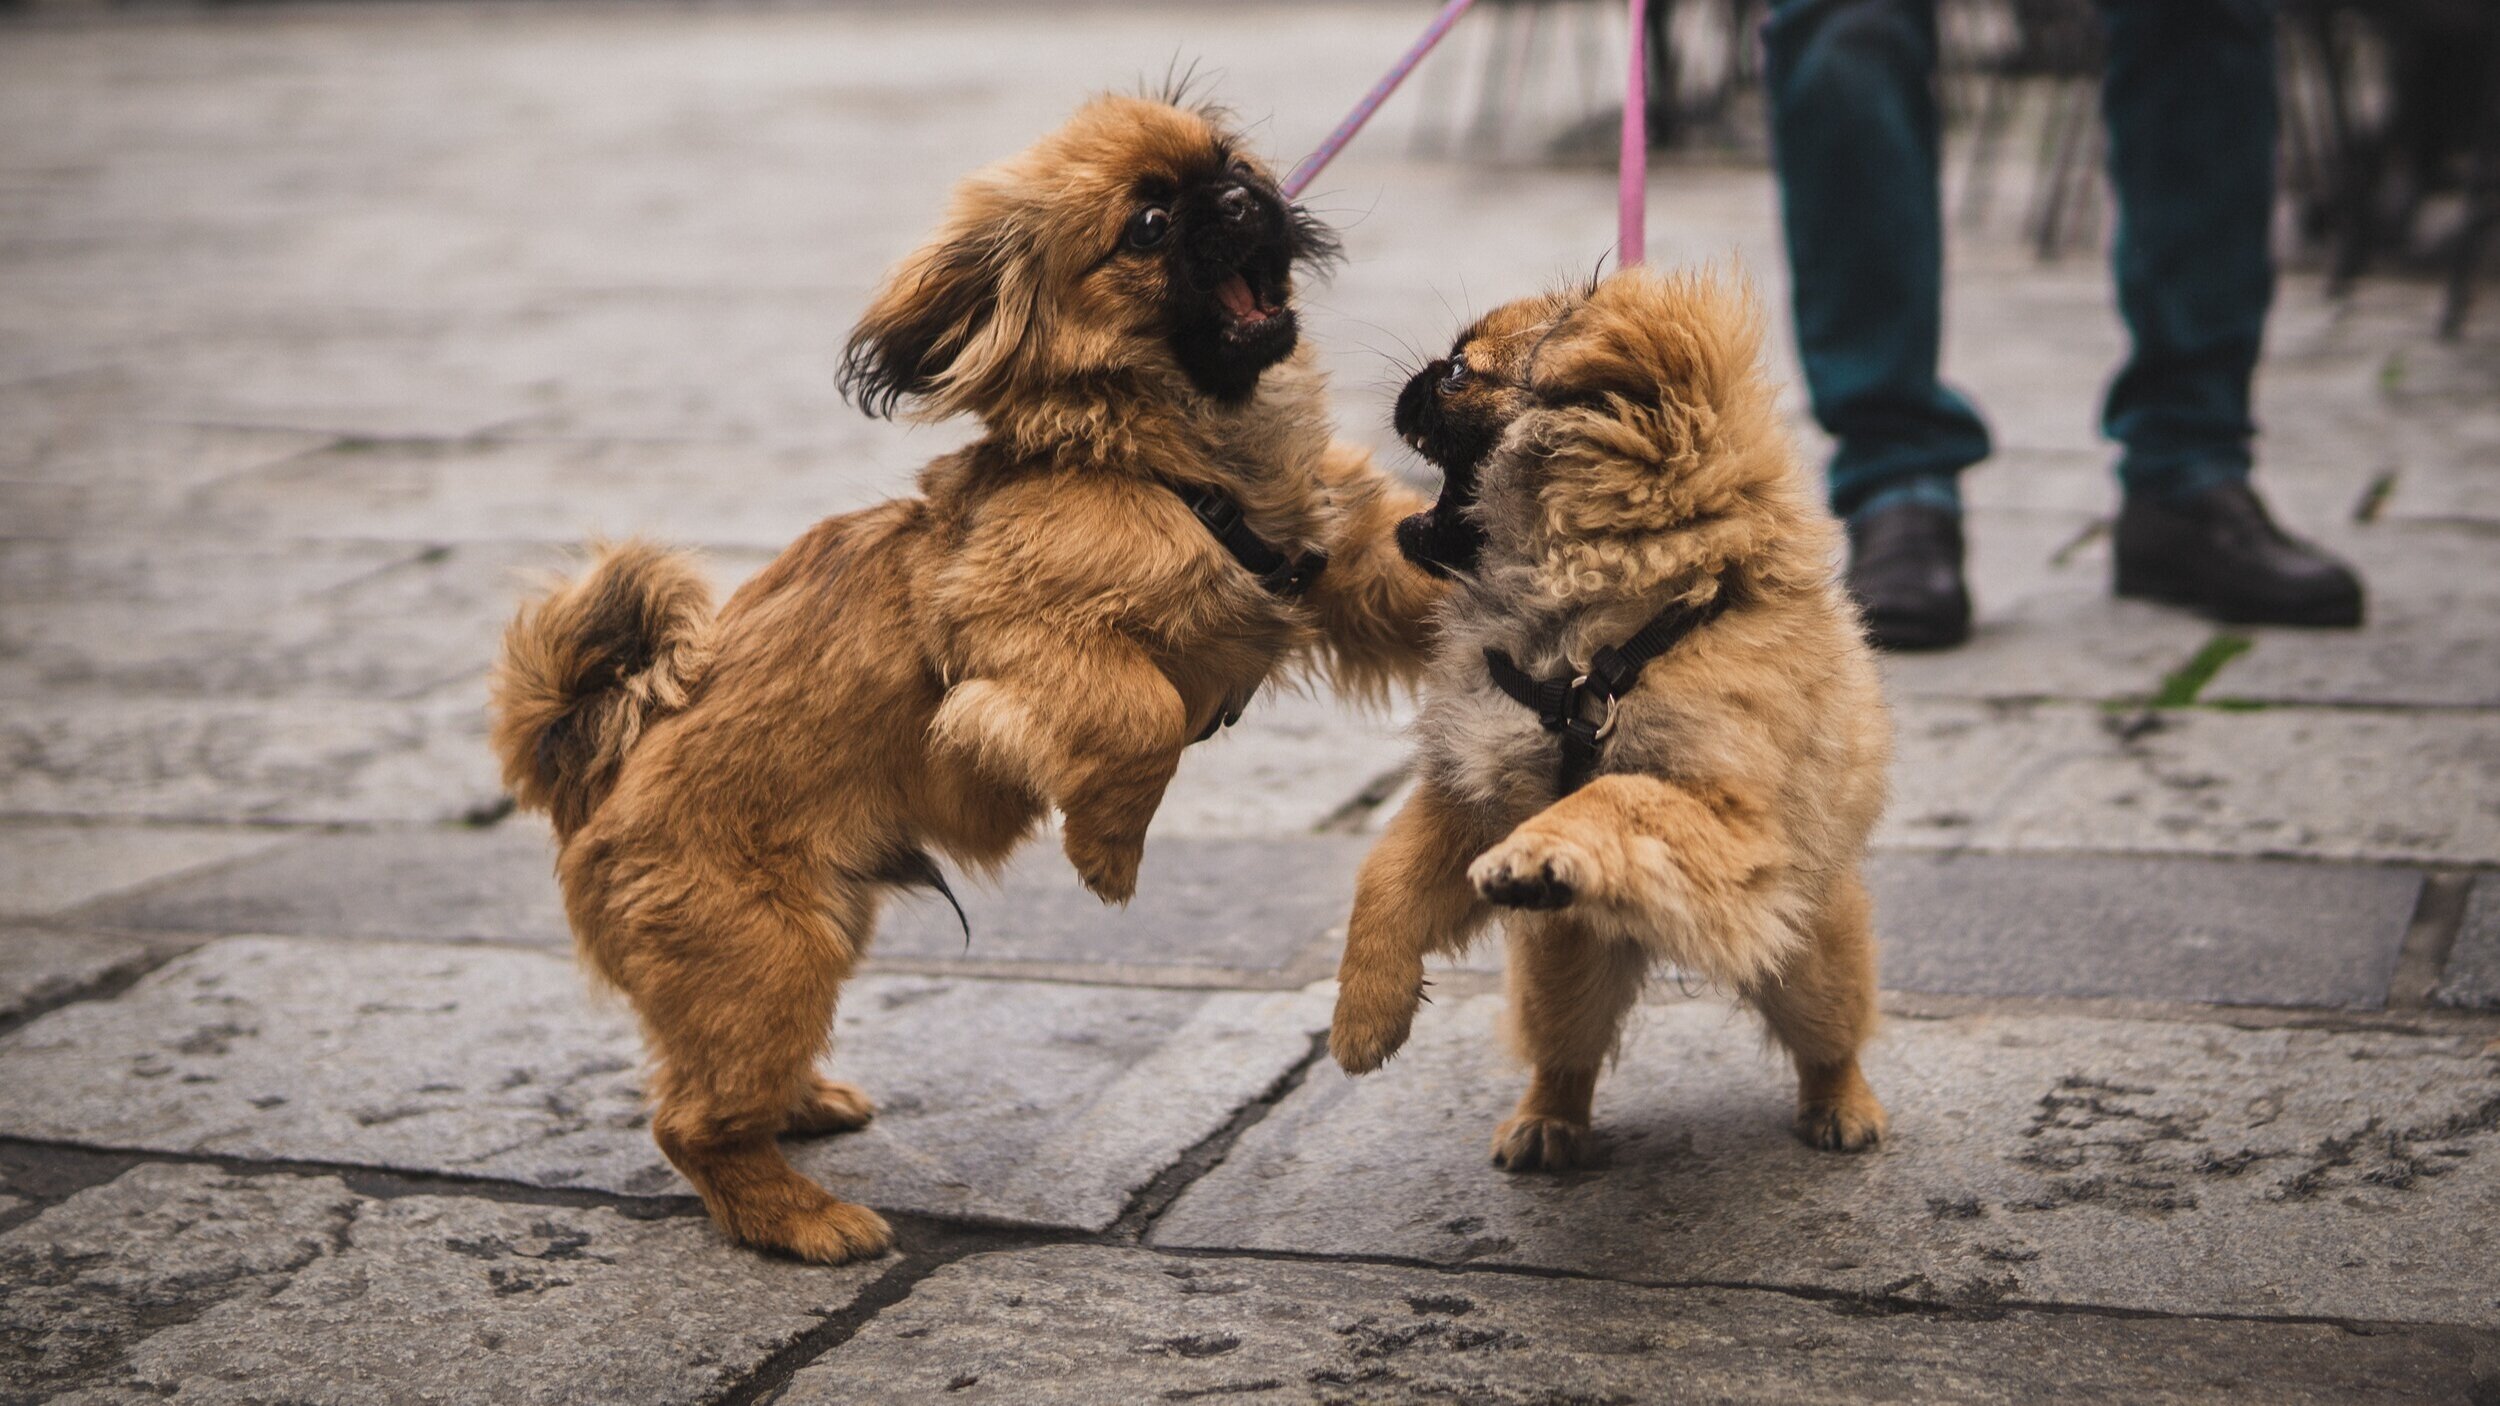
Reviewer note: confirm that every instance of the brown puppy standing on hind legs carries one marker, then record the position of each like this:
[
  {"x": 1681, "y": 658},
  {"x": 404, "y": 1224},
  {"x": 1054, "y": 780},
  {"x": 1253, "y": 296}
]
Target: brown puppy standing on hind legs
[
  {"x": 1652, "y": 731},
  {"x": 1153, "y": 524}
]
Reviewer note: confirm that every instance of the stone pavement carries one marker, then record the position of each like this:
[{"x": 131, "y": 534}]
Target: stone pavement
[{"x": 319, "y": 328}]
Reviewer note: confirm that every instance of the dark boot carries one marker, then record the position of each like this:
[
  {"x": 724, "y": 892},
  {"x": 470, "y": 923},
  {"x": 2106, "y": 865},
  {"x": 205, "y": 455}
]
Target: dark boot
[
  {"x": 1905, "y": 569},
  {"x": 2219, "y": 554}
]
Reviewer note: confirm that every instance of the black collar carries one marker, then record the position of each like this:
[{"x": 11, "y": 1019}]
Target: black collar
[
  {"x": 1279, "y": 574},
  {"x": 1564, "y": 705}
]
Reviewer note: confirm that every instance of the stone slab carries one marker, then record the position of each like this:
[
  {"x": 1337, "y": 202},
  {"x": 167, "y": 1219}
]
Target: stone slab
[
  {"x": 189, "y": 1284},
  {"x": 1237, "y": 903},
  {"x": 2236, "y": 932},
  {"x": 46, "y": 867},
  {"x": 2472, "y": 979},
  {"x": 194, "y": 580},
  {"x": 507, "y": 490},
  {"x": 1241, "y": 904},
  {"x": 1079, "y": 1325},
  {"x": 40, "y": 966},
  {"x": 2228, "y": 932},
  {"x": 2433, "y": 593},
  {"x": 1293, "y": 759},
  {"x": 1957, "y": 763},
  {"x": 427, "y": 883},
  {"x": 92, "y": 1276},
  {"x": 305, "y": 760},
  {"x": 2348, "y": 784},
  {"x": 2044, "y": 624},
  {"x": 999, "y": 1101},
  {"x": 409, "y": 623},
  {"x": 2175, "y": 1168},
  {"x": 79, "y": 457}
]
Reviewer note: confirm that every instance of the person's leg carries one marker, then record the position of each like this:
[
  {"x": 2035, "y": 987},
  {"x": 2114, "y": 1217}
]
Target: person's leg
[
  {"x": 2189, "y": 96},
  {"x": 1854, "y": 120},
  {"x": 2190, "y": 101}
]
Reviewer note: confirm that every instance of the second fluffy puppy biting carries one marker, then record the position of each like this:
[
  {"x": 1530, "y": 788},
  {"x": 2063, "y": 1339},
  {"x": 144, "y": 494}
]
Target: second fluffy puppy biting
[{"x": 1652, "y": 731}]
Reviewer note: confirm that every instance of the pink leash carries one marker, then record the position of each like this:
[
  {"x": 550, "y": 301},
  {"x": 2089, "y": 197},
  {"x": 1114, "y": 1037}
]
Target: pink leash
[
  {"x": 1632, "y": 173},
  {"x": 1633, "y": 182}
]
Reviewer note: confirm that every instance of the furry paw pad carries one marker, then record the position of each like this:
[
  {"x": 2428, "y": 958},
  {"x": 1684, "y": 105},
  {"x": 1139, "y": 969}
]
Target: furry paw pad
[
  {"x": 833, "y": 1234},
  {"x": 830, "y": 1106},
  {"x": 1530, "y": 873},
  {"x": 1107, "y": 868},
  {"x": 1534, "y": 1143},
  {"x": 1366, "y": 1031},
  {"x": 1847, "y": 1125}
]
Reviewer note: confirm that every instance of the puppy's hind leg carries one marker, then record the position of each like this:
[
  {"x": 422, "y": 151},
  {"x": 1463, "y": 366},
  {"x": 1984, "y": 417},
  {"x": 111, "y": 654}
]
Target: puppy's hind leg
[
  {"x": 1569, "y": 991},
  {"x": 1412, "y": 899},
  {"x": 1822, "y": 1009},
  {"x": 736, "y": 1018}
]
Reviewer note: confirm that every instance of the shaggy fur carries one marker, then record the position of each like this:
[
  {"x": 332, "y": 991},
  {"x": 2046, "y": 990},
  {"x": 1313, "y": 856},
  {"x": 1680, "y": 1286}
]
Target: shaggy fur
[
  {"x": 1045, "y": 626},
  {"x": 1641, "y": 463}
]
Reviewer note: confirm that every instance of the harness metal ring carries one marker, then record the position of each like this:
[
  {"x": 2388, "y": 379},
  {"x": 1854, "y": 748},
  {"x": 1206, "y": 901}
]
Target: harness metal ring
[{"x": 1606, "y": 724}]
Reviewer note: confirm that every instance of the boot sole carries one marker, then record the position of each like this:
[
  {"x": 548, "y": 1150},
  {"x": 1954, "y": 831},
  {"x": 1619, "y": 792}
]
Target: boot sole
[
  {"x": 1914, "y": 635},
  {"x": 2140, "y": 583}
]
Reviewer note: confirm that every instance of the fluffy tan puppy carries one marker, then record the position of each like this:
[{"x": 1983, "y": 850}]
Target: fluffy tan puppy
[
  {"x": 1634, "y": 492},
  {"x": 1152, "y": 524}
]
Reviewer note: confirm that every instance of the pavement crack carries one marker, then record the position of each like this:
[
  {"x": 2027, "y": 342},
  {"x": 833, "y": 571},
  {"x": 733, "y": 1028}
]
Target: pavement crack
[
  {"x": 106, "y": 985},
  {"x": 1209, "y": 1152},
  {"x": 51, "y": 1172},
  {"x": 946, "y": 1245},
  {"x": 1349, "y": 817},
  {"x": 1990, "y": 1299}
]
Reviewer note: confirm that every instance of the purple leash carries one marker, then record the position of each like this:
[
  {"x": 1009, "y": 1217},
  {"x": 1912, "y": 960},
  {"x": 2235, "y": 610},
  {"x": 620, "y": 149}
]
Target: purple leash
[
  {"x": 1362, "y": 113},
  {"x": 1633, "y": 177}
]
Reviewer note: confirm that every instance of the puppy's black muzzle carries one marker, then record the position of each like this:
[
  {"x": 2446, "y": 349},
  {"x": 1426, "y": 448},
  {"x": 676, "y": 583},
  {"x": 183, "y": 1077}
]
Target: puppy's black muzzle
[
  {"x": 1234, "y": 226},
  {"x": 1444, "y": 540}
]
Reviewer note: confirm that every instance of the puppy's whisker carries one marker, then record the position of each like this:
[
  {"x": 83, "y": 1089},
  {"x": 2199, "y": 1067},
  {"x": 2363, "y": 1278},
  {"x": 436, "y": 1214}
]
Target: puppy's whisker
[{"x": 1311, "y": 203}]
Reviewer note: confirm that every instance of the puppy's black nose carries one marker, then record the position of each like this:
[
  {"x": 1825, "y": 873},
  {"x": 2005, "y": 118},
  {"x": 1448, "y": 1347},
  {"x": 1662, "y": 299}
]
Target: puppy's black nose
[{"x": 1235, "y": 204}]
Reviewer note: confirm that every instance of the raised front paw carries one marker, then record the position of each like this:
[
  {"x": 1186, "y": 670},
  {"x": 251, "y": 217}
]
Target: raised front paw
[
  {"x": 1107, "y": 866},
  {"x": 1532, "y": 871},
  {"x": 1372, "y": 1022}
]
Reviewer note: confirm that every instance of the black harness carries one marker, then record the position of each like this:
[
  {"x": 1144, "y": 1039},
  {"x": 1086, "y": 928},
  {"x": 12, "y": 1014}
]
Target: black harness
[
  {"x": 1582, "y": 707},
  {"x": 1277, "y": 574}
]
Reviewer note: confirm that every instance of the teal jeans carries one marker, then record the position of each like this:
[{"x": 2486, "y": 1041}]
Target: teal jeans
[{"x": 2189, "y": 99}]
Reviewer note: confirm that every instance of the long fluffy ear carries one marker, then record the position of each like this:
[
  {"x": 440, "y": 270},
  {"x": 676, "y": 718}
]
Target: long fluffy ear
[{"x": 944, "y": 328}]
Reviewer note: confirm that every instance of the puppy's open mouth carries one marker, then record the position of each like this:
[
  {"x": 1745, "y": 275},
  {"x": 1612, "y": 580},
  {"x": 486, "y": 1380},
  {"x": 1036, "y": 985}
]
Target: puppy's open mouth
[{"x": 1251, "y": 313}]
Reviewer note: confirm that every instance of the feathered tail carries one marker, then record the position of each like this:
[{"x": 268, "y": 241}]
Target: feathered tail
[{"x": 588, "y": 666}]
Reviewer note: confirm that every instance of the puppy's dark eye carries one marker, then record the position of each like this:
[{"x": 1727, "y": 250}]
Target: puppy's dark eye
[
  {"x": 1148, "y": 227},
  {"x": 1456, "y": 376},
  {"x": 1245, "y": 170}
]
